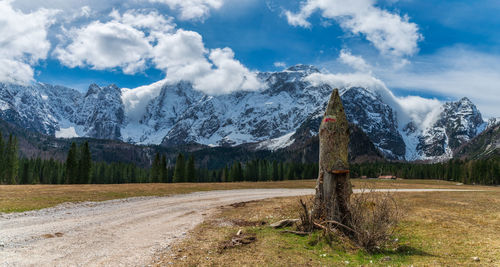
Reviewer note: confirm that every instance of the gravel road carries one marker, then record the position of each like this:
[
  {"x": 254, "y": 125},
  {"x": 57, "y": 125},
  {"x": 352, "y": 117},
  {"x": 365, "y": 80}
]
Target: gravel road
[{"x": 124, "y": 232}]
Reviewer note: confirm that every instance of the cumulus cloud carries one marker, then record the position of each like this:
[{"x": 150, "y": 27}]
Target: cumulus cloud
[
  {"x": 116, "y": 43},
  {"x": 149, "y": 21},
  {"x": 454, "y": 73},
  {"x": 136, "y": 100},
  {"x": 184, "y": 57},
  {"x": 23, "y": 41},
  {"x": 422, "y": 111},
  {"x": 104, "y": 46},
  {"x": 191, "y": 9},
  {"x": 390, "y": 33},
  {"x": 355, "y": 62},
  {"x": 135, "y": 40},
  {"x": 228, "y": 75}
]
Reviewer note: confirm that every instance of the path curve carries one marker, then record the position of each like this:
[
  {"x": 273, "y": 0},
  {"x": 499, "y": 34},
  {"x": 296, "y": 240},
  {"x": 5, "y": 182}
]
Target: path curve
[{"x": 123, "y": 232}]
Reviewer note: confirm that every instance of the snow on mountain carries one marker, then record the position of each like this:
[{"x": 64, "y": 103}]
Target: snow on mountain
[
  {"x": 457, "y": 124},
  {"x": 176, "y": 114}
]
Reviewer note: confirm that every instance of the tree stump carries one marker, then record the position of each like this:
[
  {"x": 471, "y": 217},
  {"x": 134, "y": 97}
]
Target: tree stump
[{"x": 333, "y": 188}]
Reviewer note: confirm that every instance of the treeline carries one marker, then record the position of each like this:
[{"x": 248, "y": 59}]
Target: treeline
[
  {"x": 9, "y": 160},
  {"x": 484, "y": 171},
  {"x": 253, "y": 170},
  {"x": 77, "y": 169},
  {"x": 80, "y": 169}
]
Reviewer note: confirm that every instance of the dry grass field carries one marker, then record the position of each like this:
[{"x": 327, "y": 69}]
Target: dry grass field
[
  {"x": 17, "y": 198},
  {"x": 439, "y": 229}
]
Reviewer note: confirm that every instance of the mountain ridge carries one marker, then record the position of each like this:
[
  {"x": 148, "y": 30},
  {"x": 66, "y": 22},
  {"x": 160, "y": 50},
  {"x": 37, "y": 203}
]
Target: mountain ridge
[{"x": 180, "y": 115}]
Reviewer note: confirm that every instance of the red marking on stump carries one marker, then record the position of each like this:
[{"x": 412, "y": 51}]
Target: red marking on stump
[{"x": 329, "y": 120}]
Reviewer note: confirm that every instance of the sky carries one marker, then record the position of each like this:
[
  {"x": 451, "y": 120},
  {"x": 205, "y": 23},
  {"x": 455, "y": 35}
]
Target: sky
[{"x": 424, "y": 51}]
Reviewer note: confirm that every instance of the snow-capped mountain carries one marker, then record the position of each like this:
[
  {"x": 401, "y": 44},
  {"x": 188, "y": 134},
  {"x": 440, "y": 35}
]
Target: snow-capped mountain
[
  {"x": 457, "y": 124},
  {"x": 274, "y": 117}
]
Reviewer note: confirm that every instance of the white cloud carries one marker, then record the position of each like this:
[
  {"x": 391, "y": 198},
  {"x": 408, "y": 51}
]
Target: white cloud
[
  {"x": 454, "y": 73},
  {"x": 105, "y": 46},
  {"x": 280, "y": 64},
  {"x": 23, "y": 41},
  {"x": 227, "y": 76},
  {"x": 142, "y": 20},
  {"x": 14, "y": 71},
  {"x": 136, "y": 100},
  {"x": 355, "y": 62},
  {"x": 123, "y": 42},
  {"x": 133, "y": 40},
  {"x": 389, "y": 33},
  {"x": 421, "y": 111},
  {"x": 184, "y": 57},
  {"x": 85, "y": 11},
  {"x": 191, "y": 9}
]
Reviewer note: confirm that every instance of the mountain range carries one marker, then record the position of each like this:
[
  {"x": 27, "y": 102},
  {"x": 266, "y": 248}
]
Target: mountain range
[{"x": 284, "y": 114}]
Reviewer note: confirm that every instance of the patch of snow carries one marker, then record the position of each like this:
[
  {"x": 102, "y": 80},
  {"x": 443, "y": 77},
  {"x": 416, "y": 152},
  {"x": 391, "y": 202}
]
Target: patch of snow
[
  {"x": 66, "y": 133},
  {"x": 4, "y": 105},
  {"x": 277, "y": 143}
]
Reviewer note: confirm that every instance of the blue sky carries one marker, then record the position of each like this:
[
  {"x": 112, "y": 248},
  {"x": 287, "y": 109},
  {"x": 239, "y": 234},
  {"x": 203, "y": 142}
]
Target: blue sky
[{"x": 433, "y": 49}]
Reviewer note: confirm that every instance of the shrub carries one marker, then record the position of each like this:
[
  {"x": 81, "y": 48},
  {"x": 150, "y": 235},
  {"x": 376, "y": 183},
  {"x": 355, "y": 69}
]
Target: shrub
[{"x": 374, "y": 217}]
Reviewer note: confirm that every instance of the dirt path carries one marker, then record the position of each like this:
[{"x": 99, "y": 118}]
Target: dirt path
[{"x": 125, "y": 232}]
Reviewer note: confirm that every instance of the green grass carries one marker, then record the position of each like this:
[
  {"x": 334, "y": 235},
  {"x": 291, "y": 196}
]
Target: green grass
[{"x": 438, "y": 229}]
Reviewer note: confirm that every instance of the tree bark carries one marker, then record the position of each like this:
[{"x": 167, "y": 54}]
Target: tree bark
[{"x": 333, "y": 188}]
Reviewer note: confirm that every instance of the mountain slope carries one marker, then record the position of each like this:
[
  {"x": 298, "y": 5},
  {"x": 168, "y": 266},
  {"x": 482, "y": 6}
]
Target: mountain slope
[
  {"x": 485, "y": 145},
  {"x": 178, "y": 115},
  {"x": 457, "y": 124}
]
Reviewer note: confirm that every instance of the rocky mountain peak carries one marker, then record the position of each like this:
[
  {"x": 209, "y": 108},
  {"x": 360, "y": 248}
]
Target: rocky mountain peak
[
  {"x": 458, "y": 123},
  {"x": 93, "y": 89},
  {"x": 288, "y": 110}
]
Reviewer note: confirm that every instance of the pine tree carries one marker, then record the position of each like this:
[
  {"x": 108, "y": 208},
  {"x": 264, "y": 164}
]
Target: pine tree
[
  {"x": 274, "y": 175},
  {"x": 12, "y": 161},
  {"x": 164, "y": 169},
  {"x": 190, "y": 170},
  {"x": 84, "y": 164},
  {"x": 179, "y": 171},
  {"x": 72, "y": 165},
  {"x": 2, "y": 159},
  {"x": 156, "y": 169}
]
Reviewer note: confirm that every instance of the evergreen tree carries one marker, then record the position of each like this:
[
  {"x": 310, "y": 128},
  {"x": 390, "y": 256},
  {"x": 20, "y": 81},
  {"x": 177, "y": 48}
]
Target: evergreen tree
[
  {"x": 84, "y": 164},
  {"x": 164, "y": 169},
  {"x": 179, "y": 171},
  {"x": 191, "y": 170},
  {"x": 72, "y": 165},
  {"x": 12, "y": 161},
  {"x": 274, "y": 175},
  {"x": 2, "y": 160},
  {"x": 156, "y": 169}
]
